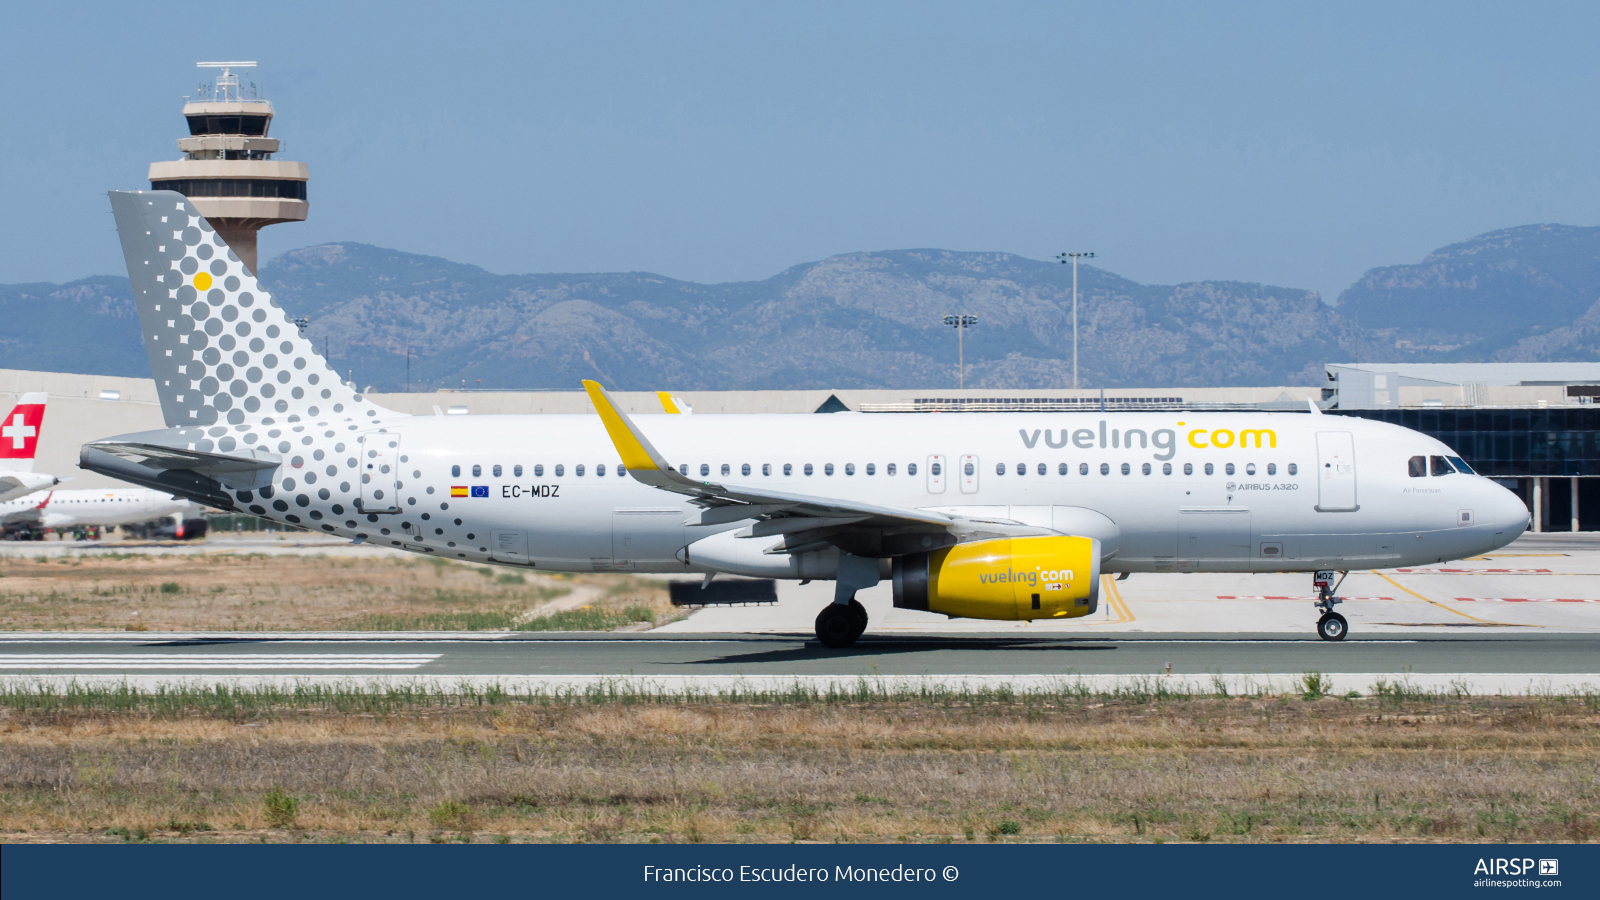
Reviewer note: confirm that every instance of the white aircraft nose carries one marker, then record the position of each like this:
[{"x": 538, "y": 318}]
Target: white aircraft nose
[{"x": 1511, "y": 515}]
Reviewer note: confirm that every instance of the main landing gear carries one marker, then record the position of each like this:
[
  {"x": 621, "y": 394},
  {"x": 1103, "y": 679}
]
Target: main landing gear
[
  {"x": 1331, "y": 626},
  {"x": 840, "y": 624}
]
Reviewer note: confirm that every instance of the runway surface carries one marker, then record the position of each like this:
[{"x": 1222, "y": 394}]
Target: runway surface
[
  {"x": 1488, "y": 662},
  {"x": 1524, "y": 619}
]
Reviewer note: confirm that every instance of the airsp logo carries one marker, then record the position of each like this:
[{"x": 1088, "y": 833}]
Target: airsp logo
[{"x": 1523, "y": 866}]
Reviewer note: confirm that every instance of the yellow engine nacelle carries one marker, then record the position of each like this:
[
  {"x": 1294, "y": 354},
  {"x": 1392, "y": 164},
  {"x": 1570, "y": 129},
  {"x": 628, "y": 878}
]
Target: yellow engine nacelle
[{"x": 1006, "y": 578}]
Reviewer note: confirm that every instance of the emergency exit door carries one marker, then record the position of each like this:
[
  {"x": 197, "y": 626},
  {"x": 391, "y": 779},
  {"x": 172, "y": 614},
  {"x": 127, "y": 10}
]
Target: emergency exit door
[{"x": 1336, "y": 472}]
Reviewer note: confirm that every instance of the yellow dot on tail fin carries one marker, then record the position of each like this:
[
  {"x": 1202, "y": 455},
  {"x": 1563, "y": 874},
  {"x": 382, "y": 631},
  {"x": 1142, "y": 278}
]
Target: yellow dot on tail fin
[{"x": 202, "y": 281}]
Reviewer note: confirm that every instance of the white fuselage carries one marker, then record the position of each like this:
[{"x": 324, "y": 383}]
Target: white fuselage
[
  {"x": 70, "y": 509},
  {"x": 1307, "y": 492}
]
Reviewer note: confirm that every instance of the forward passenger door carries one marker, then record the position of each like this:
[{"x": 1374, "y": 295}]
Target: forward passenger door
[{"x": 1336, "y": 472}]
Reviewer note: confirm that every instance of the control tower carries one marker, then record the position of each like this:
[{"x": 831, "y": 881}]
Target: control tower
[{"x": 227, "y": 170}]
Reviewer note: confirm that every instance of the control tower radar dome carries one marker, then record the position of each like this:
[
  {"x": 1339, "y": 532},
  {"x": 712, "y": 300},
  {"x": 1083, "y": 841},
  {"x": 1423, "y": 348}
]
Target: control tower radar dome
[{"x": 227, "y": 169}]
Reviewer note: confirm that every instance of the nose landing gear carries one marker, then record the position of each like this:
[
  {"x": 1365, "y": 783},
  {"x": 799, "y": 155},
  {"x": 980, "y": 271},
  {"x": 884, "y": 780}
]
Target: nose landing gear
[
  {"x": 840, "y": 624},
  {"x": 1330, "y": 626}
]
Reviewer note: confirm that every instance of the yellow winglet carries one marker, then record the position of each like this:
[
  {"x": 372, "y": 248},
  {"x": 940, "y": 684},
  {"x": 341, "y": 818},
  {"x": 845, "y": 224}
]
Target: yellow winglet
[
  {"x": 633, "y": 447},
  {"x": 666, "y": 402}
]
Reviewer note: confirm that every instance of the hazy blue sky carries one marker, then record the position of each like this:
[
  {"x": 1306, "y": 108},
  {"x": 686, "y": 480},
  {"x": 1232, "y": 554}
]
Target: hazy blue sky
[{"x": 1295, "y": 144}]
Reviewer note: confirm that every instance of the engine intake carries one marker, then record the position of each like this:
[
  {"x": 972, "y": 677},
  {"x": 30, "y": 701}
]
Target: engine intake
[{"x": 1005, "y": 578}]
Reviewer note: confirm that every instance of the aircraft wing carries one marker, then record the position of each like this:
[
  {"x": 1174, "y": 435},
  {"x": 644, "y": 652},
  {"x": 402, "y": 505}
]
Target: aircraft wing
[
  {"x": 28, "y": 515},
  {"x": 803, "y": 520}
]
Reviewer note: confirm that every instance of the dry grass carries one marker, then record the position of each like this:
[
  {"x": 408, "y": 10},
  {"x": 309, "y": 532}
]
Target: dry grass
[
  {"x": 257, "y": 592},
  {"x": 1062, "y": 769}
]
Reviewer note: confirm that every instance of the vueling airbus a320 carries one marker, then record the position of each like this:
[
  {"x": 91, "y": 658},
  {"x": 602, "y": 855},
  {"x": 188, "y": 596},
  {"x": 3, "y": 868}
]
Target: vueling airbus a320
[{"x": 993, "y": 516}]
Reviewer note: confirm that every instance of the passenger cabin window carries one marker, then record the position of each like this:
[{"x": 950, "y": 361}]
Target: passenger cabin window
[
  {"x": 827, "y": 469},
  {"x": 849, "y": 468},
  {"x": 1125, "y": 469},
  {"x": 477, "y": 471},
  {"x": 538, "y": 470},
  {"x": 1440, "y": 466},
  {"x": 744, "y": 469},
  {"x": 1293, "y": 468},
  {"x": 455, "y": 471},
  {"x": 1250, "y": 468},
  {"x": 683, "y": 468},
  {"x": 1166, "y": 468},
  {"x": 516, "y": 471},
  {"x": 766, "y": 468},
  {"x": 1211, "y": 469},
  {"x": 705, "y": 470},
  {"x": 578, "y": 470},
  {"x": 560, "y": 470},
  {"x": 1062, "y": 469},
  {"x": 1044, "y": 469},
  {"x": 1228, "y": 469},
  {"x": 872, "y": 469},
  {"x": 1272, "y": 468},
  {"x": 788, "y": 469},
  {"x": 1083, "y": 468},
  {"x": 1105, "y": 468},
  {"x": 887, "y": 470},
  {"x": 1188, "y": 468},
  {"x": 497, "y": 471},
  {"x": 600, "y": 469},
  {"x": 1145, "y": 468},
  {"x": 725, "y": 469},
  {"x": 911, "y": 469},
  {"x": 999, "y": 468},
  {"x": 807, "y": 469},
  {"x": 1417, "y": 466}
]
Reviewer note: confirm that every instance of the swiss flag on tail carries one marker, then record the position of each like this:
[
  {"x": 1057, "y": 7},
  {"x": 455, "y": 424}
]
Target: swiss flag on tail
[{"x": 19, "y": 430}]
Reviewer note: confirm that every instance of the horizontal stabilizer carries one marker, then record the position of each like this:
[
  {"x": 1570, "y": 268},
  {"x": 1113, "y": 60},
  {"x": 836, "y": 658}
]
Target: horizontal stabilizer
[
  {"x": 160, "y": 457},
  {"x": 241, "y": 468}
]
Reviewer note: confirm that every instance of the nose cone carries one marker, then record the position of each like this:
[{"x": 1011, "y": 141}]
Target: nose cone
[{"x": 1511, "y": 515}]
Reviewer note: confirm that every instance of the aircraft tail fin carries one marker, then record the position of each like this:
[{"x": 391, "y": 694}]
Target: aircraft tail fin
[
  {"x": 674, "y": 404},
  {"x": 19, "y": 432},
  {"x": 221, "y": 349}
]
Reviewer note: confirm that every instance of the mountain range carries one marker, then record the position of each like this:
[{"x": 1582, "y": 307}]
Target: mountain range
[{"x": 864, "y": 320}]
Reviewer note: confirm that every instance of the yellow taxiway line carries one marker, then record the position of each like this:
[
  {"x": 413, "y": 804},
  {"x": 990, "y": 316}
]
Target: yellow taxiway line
[
  {"x": 1446, "y": 608},
  {"x": 1115, "y": 602}
]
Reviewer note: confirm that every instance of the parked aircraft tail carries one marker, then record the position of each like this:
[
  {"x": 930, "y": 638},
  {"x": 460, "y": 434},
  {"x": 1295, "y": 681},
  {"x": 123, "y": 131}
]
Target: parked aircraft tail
[{"x": 19, "y": 433}]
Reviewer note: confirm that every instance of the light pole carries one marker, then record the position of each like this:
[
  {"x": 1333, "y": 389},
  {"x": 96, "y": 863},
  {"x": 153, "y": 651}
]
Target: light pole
[
  {"x": 1074, "y": 257},
  {"x": 961, "y": 323}
]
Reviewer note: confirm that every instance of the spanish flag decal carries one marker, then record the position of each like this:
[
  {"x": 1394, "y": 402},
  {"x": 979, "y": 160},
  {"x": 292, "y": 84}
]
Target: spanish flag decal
[{"x": 459, "y": 490}]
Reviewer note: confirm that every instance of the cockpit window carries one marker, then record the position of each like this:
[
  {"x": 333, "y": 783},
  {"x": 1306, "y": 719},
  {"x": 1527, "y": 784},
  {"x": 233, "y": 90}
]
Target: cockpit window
[
  {"x": 1440, "y": 466},
  {"x": 1461, "y": 465},
  {"x": 1417, "y": 466}
]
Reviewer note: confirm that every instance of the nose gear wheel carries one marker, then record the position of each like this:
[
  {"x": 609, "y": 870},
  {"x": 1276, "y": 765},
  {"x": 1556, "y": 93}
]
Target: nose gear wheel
[{"x": 1332, "y": 627}]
